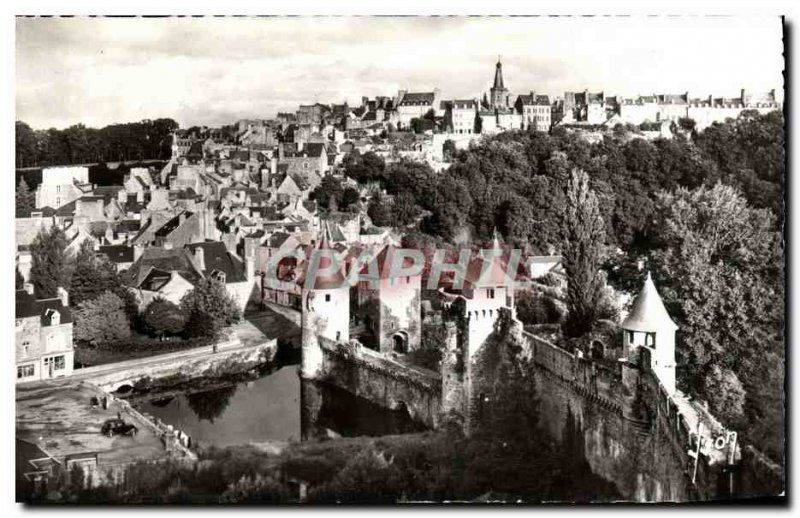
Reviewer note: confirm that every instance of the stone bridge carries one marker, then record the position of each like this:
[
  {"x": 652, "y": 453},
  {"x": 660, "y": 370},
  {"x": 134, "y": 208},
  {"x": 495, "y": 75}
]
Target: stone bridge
[{"x": 228, "y": 357}]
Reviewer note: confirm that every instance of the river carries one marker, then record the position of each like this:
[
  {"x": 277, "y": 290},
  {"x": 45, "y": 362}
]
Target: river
[{"x": 267, "y": 410}]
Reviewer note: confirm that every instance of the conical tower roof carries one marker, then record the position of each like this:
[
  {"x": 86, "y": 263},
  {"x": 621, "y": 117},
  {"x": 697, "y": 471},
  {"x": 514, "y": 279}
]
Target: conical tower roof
[
  {"x": 498, "y": 76},
  {"x": 648, "y": 313},
  {"x": 327, "y": 281}
]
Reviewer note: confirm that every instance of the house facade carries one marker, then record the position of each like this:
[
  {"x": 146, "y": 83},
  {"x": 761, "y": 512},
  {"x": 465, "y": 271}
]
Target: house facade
[{"x": 44, "y": 348}]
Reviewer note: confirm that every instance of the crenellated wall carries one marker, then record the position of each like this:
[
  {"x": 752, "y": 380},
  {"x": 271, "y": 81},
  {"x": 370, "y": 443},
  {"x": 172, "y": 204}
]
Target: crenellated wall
[{"x": 637, "y": 436}]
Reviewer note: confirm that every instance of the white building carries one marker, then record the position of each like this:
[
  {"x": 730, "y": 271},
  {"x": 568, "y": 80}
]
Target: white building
[{"x": 61, "y": 185}]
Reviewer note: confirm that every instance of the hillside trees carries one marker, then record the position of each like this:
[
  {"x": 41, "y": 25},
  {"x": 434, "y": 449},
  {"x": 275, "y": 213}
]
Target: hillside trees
[
  {"x": 719, "y": 266},
  {"x": 147, "y": 139}
]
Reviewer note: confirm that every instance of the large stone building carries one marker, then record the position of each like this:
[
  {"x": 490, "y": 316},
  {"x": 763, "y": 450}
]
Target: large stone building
[
  {"x": 43, "y": 336},
  {"x": 414, "y": 105},
  {"x": 62, "y": 185},
  {"x": 461, "y": 116},
  {"x": 536, "y": 111}
]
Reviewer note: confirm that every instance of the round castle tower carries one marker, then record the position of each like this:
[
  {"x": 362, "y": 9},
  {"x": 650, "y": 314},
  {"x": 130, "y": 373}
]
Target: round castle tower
[
  {"x": 649, "y": 326},
  {"x": 325, "y": 309}
]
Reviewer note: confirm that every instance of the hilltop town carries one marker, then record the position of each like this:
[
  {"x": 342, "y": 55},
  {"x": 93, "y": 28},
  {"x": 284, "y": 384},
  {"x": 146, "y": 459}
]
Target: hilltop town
[{"x": 171, "y": 272}]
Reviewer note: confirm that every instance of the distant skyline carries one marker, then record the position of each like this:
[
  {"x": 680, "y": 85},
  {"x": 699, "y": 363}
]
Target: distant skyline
[{"x": 214, "y": 71}]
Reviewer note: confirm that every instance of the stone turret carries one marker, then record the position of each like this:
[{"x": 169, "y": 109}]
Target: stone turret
[
  {"x": 649, "y": 327},
  {"x": 325, "y": 307}
]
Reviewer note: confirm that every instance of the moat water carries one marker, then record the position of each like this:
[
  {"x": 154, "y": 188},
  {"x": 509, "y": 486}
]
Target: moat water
[{"x": 268, "y": 410}]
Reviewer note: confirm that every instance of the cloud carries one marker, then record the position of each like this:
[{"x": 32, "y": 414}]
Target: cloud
[{"x": 214, "y": 70}]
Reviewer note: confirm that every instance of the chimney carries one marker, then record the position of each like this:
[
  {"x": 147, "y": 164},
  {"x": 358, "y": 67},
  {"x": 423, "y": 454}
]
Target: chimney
[
  {"x": 273, "y": 166},
  {"x": 62, "y": 294},
  {"x": 167, "y": 245},
  {"x": 28, "y": 287},
  {"x": 743, "y": 96},
  {"x": 280, "y": 151},
  {"x": 199, "y": 258},
  {"x": 250, "y": 267}
]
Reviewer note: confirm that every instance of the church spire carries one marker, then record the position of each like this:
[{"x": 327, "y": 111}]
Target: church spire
[{"x": 498, "y": 75}]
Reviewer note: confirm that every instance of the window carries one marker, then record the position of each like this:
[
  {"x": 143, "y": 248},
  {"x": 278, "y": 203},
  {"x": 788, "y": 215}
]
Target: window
[
  {"x": 327, "y": 297},
  {"x": 58, "y": 202},
  {"x": 490, "y": 293},
  {"x": 59, "y": 363},
  {"x": 650, "y": 339},
  {"x": 58, "y": 189},
  {"x": 630, "y": 337},
  {"x": 25, "y": 371},
  {"x": 26, "y": 348}
]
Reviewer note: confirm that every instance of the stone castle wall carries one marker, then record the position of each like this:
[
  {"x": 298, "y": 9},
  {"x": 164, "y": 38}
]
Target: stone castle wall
[
  {"x": 637, "y": 436},
  {"x": 380, "y": 380}
]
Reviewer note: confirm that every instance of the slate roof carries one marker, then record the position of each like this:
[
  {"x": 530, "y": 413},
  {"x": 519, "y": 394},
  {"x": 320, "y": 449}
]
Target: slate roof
[
  {"x": 418, "y": 99},
  {"x": 314, "y": 149},
  {"x": 28, "y": 306},
  {"x": 217, "y": 257},
  {"x": 178, "y": 260},
  {"x": 167, "y": 228},
  {"x": 118, "y": 253}
]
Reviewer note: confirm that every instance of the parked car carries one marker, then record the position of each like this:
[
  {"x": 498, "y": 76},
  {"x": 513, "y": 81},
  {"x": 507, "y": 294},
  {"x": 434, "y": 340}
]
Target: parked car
[{"x": 118, "y": 427}]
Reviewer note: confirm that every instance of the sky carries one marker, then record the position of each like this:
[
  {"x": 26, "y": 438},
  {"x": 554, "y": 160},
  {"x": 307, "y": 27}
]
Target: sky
[{"x": 214, "y": 71}]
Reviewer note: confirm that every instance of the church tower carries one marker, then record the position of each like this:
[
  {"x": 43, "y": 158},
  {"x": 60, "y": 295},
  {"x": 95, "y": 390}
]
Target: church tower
[
  {"x": 498, "y": 92},
  {"x": 650, "y": 327},
  {"x": 325, "y": 309}
]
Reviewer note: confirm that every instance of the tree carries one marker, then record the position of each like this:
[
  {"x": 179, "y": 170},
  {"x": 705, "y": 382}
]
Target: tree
[
  {"x": 25, "y": 199},
  {"x": 449, "y": 150},
  {"x": 102, "y": 321},
  {"x": 350, "y": 198},
  {"x": 719, "y": 266},
  {"x": 583, "y": 238},
  {"x": 209, "y": 308},
  {"x": 405, "y": 209},
  {"x": 92, "y": 275},
  {"x": 687, "y": 124},
  {"x": 328, "y": 191},
  {"x": 49, "y": 267},
  {"x": 365, "y": 168},
  {"x": 163, "y": 317},
  {"x": 380, "y": 212}
]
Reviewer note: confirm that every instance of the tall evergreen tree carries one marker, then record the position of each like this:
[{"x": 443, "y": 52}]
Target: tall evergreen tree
[
  {"x": 25, "y": 199},
  {"x": 583, "y": 238},
  {"x": 49, "y": 268}
]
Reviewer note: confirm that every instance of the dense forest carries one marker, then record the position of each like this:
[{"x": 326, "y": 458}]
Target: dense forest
[
  {"x": 702, "y": 211},
  {"x": 145, "y": 140}
]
